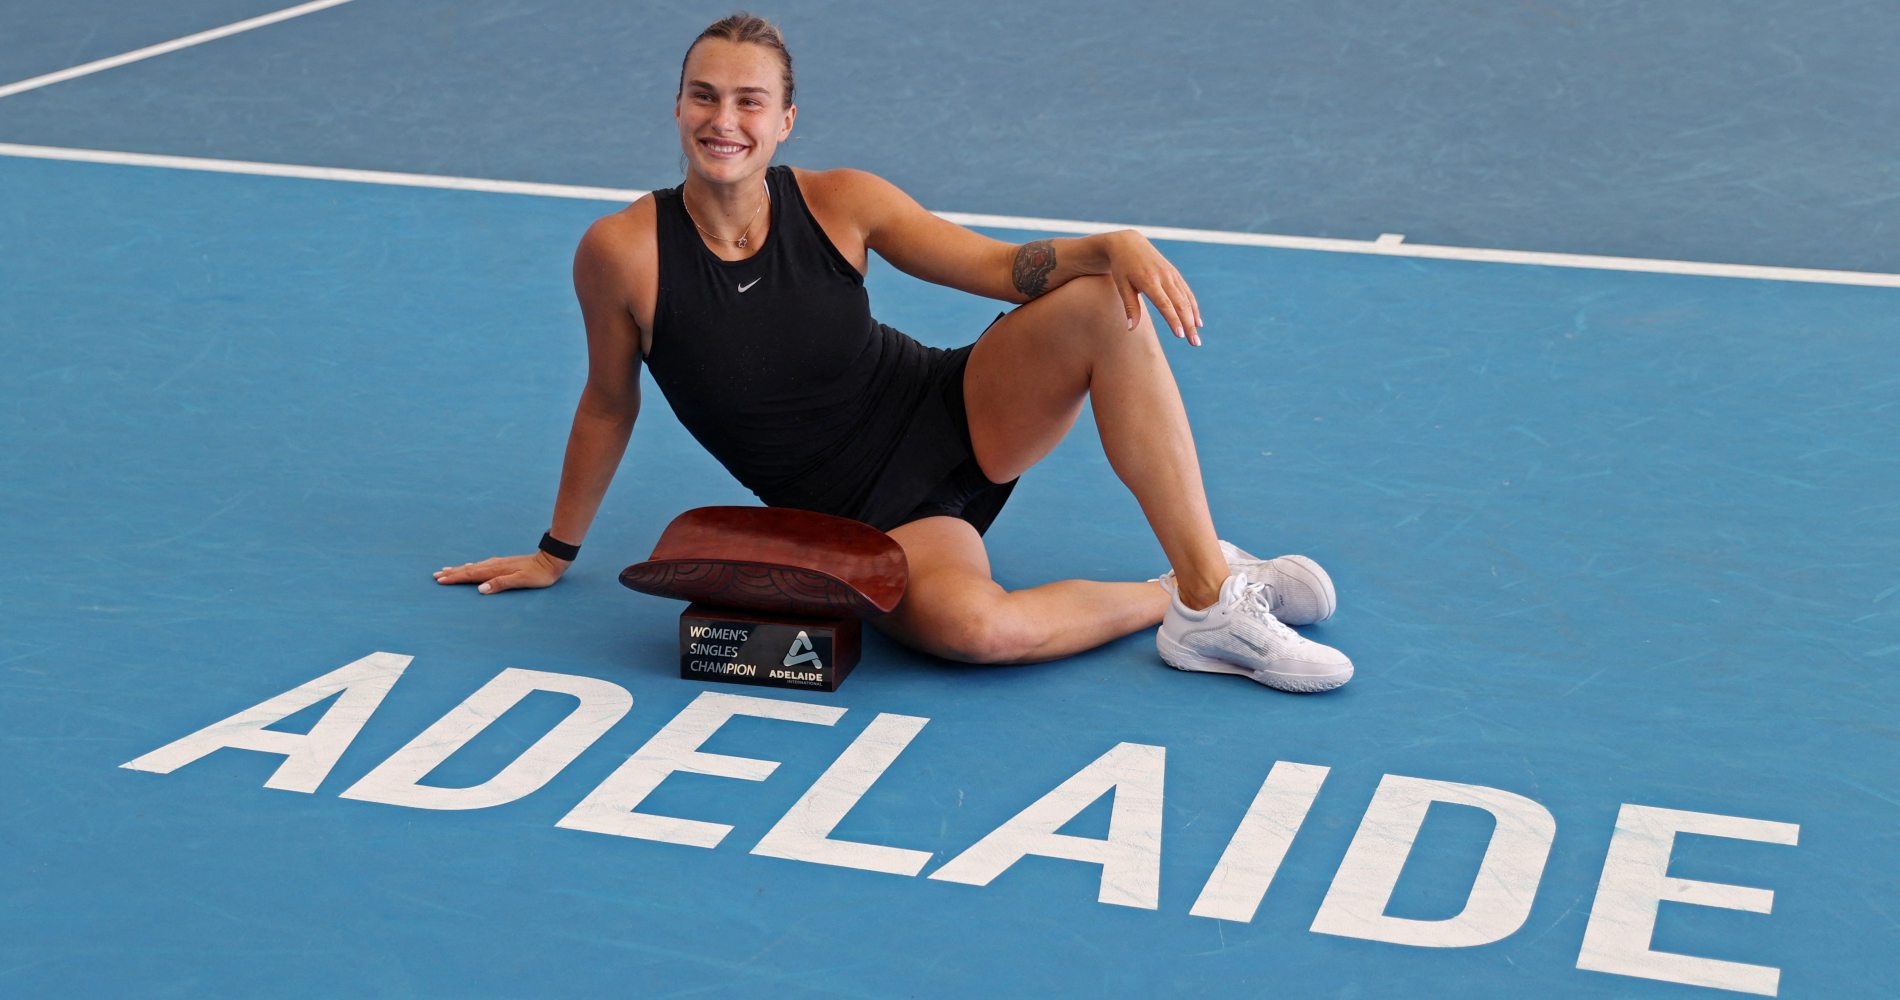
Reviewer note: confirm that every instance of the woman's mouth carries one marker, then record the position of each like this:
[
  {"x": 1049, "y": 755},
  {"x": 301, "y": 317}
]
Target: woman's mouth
[{"x": 720, "y": 147}]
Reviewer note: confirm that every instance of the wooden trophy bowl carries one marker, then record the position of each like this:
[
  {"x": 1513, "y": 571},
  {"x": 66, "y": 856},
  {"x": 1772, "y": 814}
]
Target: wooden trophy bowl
[{"x": 775, "y": 560}]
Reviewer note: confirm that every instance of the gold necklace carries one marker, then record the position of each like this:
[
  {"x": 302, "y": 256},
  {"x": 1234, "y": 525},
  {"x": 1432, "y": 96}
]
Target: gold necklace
[{"x": 745, "y": 235}]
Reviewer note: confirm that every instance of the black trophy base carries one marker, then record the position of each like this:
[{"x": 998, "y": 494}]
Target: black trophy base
[{"x": 767, "y": 649}]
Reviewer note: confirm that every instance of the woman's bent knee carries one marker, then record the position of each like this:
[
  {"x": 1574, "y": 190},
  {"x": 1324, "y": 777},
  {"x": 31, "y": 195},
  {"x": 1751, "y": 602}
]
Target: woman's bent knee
[
  {"x": 1098, "y": 319},
  {"x": 1093, "y": 299}
]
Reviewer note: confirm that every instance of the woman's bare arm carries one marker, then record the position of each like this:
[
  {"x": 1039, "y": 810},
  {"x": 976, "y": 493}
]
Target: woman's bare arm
[
  {"x": 931, "y": 248},
  {"x": 607, "y": 257}
]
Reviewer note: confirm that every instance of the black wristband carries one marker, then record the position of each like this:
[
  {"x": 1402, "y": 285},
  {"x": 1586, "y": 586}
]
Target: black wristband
[{"x": 558, "y": 549}]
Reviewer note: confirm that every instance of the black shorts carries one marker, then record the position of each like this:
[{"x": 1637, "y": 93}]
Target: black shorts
[
  {"x": 966, "y": 492},
  {"x": 920, "y": 488}
]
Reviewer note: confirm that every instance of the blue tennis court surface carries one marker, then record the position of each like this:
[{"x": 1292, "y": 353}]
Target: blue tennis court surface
[{"x": 1616, "y": 555}]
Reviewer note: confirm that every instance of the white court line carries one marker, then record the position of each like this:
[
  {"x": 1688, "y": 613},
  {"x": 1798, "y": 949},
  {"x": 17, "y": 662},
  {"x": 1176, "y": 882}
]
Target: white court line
[
  {"x": 319, "y": 173},
  {"x": 161, "y": 48},
  {"x": 1387, "y": 245}
]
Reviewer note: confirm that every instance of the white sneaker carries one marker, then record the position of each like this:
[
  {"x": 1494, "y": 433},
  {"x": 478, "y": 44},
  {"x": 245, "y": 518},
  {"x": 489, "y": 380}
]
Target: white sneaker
[
  {"x": 1302, "y": 592},
  {"x": 1299, "y": 592},
  {"x": 1240, "y": 635}
]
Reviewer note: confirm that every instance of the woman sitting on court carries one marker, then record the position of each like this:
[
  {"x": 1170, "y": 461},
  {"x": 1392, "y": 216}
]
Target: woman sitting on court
[{"x": 743, "y": 290}]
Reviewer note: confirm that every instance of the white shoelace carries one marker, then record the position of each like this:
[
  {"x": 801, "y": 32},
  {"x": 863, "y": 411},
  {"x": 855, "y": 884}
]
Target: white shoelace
[{"x": 1256, "y": 594}]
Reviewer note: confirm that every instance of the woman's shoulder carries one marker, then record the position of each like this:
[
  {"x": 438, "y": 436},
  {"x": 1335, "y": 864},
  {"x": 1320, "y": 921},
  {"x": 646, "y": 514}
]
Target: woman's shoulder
[
  {"x": 617, "y": 261},
  {"x": 839, "y": 182},
  {"x": 848, "y": 197},
  {"x": 626, "y": 235},
  {"x": 638, "y": 216}
]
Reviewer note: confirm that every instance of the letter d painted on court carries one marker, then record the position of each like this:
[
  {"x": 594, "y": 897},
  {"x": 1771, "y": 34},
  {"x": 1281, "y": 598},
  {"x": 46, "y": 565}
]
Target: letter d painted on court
[{"x": 1500, "y": 897}]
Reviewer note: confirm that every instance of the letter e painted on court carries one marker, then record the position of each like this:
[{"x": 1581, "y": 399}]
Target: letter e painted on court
[
  {"x": 1246, "y": 868},
  {"x": 804, "y": 832},
  {"x": 1130, "y": 857},
  {"x": 1500, "y": 897},
  {"x": 1636, "y": 879},
  {"x": 308, "y": 757},
  {"x": 609, "y": 808},
  {"x": 398, "y": 780}
]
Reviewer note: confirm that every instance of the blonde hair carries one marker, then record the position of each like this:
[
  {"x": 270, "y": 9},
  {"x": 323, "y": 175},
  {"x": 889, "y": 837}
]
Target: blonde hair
[{"x": 747, "y": 29}]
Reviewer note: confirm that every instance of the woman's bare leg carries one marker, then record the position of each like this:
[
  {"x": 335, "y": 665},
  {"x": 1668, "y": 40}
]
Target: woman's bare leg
[
  {"x": 1024, "y": 387},
  {"x": 954, "y": 609}
]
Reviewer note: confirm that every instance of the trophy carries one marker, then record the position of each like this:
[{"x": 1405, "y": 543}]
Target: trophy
[{"x": 776, "y": 595}]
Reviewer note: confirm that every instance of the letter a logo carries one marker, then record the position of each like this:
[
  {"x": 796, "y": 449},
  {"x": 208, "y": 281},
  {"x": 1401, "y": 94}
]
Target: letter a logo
[{"x": 802, "y": 652}]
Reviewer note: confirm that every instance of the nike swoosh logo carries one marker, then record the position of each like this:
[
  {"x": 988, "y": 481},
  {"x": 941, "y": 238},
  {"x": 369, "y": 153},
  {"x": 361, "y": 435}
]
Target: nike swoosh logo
[{"x": 749, "y": 284}]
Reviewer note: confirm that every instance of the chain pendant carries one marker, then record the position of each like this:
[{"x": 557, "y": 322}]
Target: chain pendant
[{"x": 743, "y": 242}]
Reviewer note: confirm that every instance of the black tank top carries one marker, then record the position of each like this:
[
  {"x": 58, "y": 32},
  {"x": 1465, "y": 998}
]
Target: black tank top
[{"x": 774, "y": 363}]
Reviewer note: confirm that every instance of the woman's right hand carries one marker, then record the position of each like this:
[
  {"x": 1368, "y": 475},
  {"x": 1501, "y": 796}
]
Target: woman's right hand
[{"x": 506, "y": 572}]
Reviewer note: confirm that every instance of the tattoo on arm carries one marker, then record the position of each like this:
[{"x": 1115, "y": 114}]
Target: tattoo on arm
[{"x": 1034, "y": 261}]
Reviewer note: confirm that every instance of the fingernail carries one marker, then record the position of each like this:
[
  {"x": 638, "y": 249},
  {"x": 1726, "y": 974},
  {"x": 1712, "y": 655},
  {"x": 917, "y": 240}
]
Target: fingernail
[{"x": 483, "y": 588}]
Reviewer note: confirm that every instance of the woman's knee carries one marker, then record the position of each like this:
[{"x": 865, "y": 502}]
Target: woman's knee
[
  {"x": 1097, "y": 315},
  {"x": 1094, "y": 300}
]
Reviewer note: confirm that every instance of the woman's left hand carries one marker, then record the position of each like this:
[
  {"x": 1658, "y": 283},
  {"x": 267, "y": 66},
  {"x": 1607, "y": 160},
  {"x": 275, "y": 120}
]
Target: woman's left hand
[{"x": 1138, "y": 269}]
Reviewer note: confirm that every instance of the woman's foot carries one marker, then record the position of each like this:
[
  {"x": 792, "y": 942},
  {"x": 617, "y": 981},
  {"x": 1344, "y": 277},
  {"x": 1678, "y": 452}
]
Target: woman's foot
[
  {"x": 1299, "y": 591},
  {"x": 1240, "y": 634}
]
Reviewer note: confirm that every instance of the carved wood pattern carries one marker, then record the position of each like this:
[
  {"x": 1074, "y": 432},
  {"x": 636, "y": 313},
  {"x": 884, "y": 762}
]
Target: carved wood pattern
[
  {"x": 787, "y": 589},
  {"x": 774, "y": 560}
]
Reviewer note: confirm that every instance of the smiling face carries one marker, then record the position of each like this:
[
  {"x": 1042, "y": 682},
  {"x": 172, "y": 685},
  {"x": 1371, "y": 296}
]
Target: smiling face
[{"x": 731, "y": 109}]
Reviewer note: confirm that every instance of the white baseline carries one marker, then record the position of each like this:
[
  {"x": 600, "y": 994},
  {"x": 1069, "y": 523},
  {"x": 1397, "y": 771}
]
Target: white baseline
[{"x": 1387, "y": 245}]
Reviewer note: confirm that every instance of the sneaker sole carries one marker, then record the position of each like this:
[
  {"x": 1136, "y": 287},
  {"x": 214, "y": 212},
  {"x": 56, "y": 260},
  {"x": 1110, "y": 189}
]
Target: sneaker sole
[{"x": 1180, "y": 658}]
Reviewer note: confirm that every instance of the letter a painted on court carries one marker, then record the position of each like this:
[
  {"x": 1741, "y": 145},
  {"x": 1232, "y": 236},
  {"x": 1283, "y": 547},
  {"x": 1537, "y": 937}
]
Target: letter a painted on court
[
  {"x": 1130, "y": 857},
  {"x": 802, "y": 652},
  {"x": 308, "y": 757}
]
